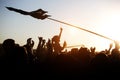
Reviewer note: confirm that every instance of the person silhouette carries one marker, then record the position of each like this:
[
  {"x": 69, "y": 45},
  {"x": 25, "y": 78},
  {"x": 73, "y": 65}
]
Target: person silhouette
[
  {"x": 29, "y": 49},
  {"x": 57, "y": 48},
  {"x": 14, "y": 57}
]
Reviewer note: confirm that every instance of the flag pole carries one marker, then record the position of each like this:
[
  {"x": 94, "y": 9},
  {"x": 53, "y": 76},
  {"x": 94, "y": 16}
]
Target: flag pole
[
  {"x": 46, "y": 16},
  {"x": 80, "y": 28}
]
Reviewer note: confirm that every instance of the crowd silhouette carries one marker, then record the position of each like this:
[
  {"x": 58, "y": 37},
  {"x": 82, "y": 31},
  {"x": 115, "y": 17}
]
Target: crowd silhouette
[{"x": 50, "y": 58}]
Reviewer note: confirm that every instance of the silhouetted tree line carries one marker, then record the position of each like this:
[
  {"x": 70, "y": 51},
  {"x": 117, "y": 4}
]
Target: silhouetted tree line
[{"x": 49, "y": 58}]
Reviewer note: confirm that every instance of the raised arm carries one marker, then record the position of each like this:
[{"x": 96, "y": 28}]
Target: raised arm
[{"x": 60, "y": 32}]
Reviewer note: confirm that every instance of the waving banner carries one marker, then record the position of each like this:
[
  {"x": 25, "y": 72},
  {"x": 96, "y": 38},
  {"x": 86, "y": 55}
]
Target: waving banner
[{"x": 41, "y": 14}]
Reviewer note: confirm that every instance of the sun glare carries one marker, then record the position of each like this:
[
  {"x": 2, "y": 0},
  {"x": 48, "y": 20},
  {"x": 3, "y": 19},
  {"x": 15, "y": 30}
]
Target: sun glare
[
  {"x": 73, "y": 31},
  {"x": 110, "y": 26}
]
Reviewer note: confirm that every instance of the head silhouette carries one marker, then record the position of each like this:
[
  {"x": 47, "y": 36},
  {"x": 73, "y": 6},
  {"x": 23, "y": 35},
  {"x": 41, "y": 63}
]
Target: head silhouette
[
  {"x": 56, "y": 39},
  {"x": 8, "y": 44}
]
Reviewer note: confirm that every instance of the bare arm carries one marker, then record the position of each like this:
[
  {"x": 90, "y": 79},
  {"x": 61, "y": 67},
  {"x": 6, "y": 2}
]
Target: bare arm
[{"x": 60, "y": 32}]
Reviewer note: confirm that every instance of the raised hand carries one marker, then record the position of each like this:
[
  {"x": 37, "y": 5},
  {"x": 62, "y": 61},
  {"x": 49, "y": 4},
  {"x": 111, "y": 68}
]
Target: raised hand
[
  {"x": 92, "y": 49},
  {"x": 64, "y": 44},
  {"x": 111, "y": 45},
  {"x": 40, "y": 38},
  {"x": 61, "y": 29},
  {"x": 32, "y": 43}
]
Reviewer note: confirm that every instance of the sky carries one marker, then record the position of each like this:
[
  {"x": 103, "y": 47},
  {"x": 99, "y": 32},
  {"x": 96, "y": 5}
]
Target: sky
[{"x": 100, "y": 16}]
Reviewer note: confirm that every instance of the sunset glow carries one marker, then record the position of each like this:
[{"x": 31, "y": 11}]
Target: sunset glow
[
  {"x": 111, "y": 26},
  {"x": 100, "y": 16}
]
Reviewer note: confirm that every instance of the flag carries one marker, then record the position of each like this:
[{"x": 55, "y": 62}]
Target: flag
[{"x": 39, "y": 14}]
